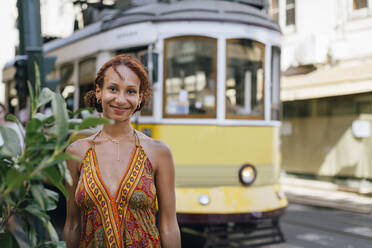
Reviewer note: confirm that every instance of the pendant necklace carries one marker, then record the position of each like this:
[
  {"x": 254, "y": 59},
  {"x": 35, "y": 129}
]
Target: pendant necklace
[{"x": 115, "y": 141}]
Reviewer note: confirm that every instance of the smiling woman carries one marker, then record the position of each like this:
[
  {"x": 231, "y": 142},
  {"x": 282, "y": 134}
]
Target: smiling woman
[{"x": 113, "y": 197}]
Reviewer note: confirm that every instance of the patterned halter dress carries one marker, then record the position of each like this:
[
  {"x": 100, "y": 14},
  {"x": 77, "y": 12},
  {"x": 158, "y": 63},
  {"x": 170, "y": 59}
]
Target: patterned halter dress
[{"x": 127, "y": 220}]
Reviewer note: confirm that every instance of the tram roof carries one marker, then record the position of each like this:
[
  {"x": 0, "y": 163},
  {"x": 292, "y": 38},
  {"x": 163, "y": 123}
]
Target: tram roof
[{"x": 206, "y": 10}]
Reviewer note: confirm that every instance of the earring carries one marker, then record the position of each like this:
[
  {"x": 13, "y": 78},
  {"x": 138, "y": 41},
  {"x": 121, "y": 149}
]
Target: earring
[
  {"x": 99, "y": 101},
  {"x": 138, "y": 107}
]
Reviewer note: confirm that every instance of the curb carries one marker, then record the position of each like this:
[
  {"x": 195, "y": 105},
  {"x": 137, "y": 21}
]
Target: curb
[{"x": 325, "y": 194}]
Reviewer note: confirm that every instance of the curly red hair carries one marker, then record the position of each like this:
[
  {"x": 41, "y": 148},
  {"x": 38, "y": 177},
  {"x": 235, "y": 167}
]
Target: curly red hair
[{"x": 90, "y": 99}]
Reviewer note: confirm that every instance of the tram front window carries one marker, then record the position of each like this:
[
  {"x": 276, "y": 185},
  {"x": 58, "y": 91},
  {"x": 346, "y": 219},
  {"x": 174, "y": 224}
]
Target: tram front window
[
  {"x": 190, "y": 77},
  {"x": 245, "y": 79}
]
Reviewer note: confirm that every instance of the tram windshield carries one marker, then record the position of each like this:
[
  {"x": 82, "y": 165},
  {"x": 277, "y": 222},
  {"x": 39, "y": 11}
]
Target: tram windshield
[
  {"x": 245, "y": 79},
  {"x": 190, "y": 77}
]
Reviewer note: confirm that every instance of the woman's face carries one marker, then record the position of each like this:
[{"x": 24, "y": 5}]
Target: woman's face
[{"x": 120, "y": 94}]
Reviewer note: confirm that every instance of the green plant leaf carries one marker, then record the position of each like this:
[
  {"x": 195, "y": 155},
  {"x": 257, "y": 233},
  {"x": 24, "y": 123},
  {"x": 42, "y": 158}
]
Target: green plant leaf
[
  {"x": 63, "y": 157},
  {"x": 7, "y": 240},
  {"x": 61, "y": 118},
  {"x": 12, "y": 118},
  {"x": 51, "y": 199},
  {"x": 38, "y": 192},
  {"x": 55, "y": 176},
  {"x": 52, "y": 232},
  {"x": 65, "y": 172},
  {"x": 32, "y": 236},
  {"x": 34, "y": 125},
  {"x": 92, "y": 122},
  {"x": 37, "y": 212},
  {"x": 37, "y": 81},
  {"x": 12, "y": 146},
  {"x": 45, "y": 97},
  {"x": 14, "y": 179},
  {"x": 56, "y": 244}
]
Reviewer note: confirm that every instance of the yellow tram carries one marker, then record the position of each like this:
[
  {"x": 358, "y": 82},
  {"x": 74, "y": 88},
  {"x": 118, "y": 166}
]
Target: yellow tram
[{"x": 215, "y": 69}]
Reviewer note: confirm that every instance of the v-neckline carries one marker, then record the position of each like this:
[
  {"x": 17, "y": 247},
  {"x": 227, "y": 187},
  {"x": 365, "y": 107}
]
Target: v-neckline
[{"x": 96, "y": 168}]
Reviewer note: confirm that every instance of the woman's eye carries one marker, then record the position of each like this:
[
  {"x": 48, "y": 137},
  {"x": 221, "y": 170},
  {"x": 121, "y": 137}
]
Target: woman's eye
[
  {"x": 113, "y": 89},
  {"x": 132, "y": 91}
]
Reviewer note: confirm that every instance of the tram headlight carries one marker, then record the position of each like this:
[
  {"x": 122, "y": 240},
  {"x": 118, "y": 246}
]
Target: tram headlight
[
  {"x": 204, "y": 200},
  {"x": 247, "y": 174}
]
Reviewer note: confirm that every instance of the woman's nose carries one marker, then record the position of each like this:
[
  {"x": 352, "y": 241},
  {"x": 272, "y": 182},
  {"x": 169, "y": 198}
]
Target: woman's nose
[{"x": 121, "y": 98}]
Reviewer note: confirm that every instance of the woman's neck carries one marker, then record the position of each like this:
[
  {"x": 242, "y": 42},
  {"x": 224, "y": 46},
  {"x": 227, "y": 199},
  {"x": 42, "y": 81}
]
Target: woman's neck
[{"x": 116, "y": 130}]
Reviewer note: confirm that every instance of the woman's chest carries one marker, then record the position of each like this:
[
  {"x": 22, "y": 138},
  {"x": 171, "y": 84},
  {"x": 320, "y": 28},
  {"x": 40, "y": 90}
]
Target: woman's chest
[{"x": 135, "y": 190}]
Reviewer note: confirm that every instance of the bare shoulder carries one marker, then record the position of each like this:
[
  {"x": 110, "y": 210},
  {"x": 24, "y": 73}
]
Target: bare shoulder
[
  {"x": 154, "y": 145},
  {"x": 79, "y": 147},
  {"x": 158, "y": 152}
]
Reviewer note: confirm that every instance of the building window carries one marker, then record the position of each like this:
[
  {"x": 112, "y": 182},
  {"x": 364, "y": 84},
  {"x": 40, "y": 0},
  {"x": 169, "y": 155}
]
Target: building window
[
  {"x": 245, "y": 79},
  {"x": 190, "y": 77},
  {"x": 274, "y": 10},
  {"x": 360, "y": 4},
  {"x": 290, "y": 13}
]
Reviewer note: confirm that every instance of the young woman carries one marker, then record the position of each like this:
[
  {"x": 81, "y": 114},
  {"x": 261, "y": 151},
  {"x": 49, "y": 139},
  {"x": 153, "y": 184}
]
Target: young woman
[{"x": 112, "y": 201}]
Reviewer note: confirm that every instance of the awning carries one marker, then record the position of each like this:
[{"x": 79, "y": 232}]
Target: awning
[{"x": 336, "y": 81}]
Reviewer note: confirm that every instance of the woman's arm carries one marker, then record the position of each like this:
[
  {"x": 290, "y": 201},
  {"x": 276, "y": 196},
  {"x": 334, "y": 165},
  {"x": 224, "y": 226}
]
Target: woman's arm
[
  {"x": 71, "y": 231},
  {"x": 168, "y": 226}
]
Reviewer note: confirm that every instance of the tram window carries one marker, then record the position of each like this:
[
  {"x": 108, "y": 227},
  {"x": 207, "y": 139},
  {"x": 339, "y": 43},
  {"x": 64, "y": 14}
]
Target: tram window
[
  {"x": 67, "y": 87},
  {"x": 275, "y": 83},
  {"x": 245, "y": 79},
  {"x": 87, "y": 72},
  {"x": 190, "y": 77}
]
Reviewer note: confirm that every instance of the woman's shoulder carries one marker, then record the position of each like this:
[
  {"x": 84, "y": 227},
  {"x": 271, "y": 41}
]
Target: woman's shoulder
[
  {"x": 156, "y": 146},
  {"x": 158, "y": 151},
  {"x": 80, "y": 146}
]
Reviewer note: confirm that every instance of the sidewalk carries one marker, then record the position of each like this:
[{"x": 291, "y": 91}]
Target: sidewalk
[{"x": 326, "y": 194}]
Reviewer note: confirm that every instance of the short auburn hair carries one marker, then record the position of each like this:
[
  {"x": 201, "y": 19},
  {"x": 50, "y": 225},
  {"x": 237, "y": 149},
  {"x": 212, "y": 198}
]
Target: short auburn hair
[{"x": 90, "y": 99}]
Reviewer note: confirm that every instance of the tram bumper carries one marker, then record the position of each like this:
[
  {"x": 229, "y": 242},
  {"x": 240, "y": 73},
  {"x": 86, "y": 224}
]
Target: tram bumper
[
  {"x": 256, "y": 202},
  {"x": 233, "y": 215}
]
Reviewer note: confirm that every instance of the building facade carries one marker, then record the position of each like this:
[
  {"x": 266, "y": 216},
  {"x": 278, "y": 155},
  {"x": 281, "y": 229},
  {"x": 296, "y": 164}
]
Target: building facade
[{"x": 326, "y": 86}]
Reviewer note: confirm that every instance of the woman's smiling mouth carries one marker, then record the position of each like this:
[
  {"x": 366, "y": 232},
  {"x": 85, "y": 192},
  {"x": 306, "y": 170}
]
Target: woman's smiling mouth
[{"x": 119, "y": 109}]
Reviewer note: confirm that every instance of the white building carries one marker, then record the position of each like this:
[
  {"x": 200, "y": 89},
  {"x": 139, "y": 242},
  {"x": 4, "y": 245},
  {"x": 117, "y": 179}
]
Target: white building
[{"x": 326, "y": 86}]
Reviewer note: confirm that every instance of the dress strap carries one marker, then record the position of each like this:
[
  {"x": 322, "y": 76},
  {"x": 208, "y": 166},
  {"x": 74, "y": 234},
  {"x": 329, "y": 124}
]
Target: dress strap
[
  {"x": 138, "y": 143},
  {"x": 93, "y": 141}
]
